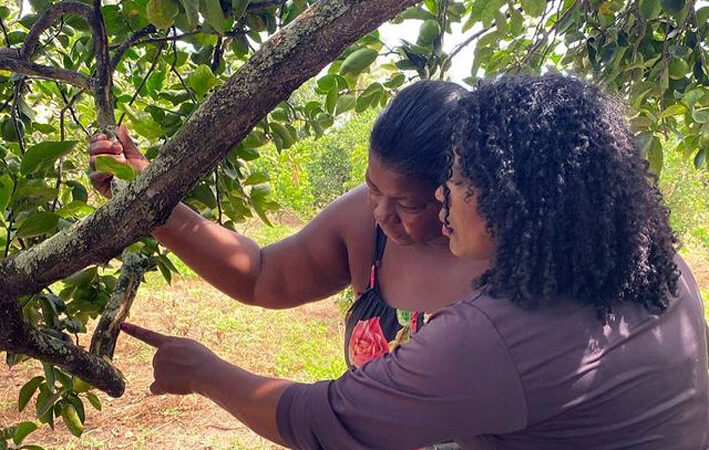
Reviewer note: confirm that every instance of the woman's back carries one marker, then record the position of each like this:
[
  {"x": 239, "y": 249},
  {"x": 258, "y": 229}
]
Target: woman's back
[{"x": 639, "y": 381}]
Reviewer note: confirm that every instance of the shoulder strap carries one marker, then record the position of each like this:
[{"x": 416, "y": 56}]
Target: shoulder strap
[{"x": 380, "y": 242}]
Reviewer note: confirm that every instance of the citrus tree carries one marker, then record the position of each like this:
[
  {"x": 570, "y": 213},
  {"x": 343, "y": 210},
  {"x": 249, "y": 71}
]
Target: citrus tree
[{"x": 203, "y": 84}]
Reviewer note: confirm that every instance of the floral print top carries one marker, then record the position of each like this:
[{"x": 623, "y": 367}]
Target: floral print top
[{"x": 373, "y": 328}]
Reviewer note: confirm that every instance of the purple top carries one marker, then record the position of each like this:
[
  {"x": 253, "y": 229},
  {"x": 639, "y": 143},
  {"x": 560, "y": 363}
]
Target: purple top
[{"x": 485, "y": 373}]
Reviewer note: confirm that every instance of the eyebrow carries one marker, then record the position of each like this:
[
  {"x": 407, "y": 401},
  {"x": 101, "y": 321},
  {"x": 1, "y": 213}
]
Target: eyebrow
[{"x": 371, "y": 183}]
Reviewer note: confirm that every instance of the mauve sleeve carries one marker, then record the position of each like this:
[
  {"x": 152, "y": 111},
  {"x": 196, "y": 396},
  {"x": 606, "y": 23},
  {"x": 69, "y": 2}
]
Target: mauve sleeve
[{"x": 453, "y": 381}]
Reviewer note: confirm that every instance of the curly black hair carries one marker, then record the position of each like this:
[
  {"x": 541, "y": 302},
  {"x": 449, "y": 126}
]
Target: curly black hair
[{"x": 566, "y": 194}]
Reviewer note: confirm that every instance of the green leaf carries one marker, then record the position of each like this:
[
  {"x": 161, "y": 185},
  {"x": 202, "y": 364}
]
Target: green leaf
[
  {"x": 331, "y": 100},
  {"x": 110, "y": 165},
  {"x": 46, "y": 404},
  {"x": 534, "y": 8},
  {"x": 256, "y": 178},
  {"x": 33, "y": 193},
  {"x": 673, "y": 6},
  {"x": 516, "y": 22},
  {"x": 28, "y": 391},
  {"x": 23, "y": 429},
  {"x": 654, "y": 156},
  {"x": 43, "y": 154},
  {"x": 6, "y": 185},
  {"x": 79, "y": 385},
  {"x": 345, "y": 103},
  {"x": 358, "y": 60},
  {"x": 72, "y": 420},
  {"x": 204, "y": 195},
  {"x": 239, "y": 7},
  {"x": 162, "y": 13},
  {"x": 74, "y": 209},
  {"x": 693, "y": 96},
  {"x": 701, "y": 115},
  {"x": 430, "y": 30},
  {"x": 255, "y": 139},
  {"x": 650, "y": 9},
  {"x": 37, "y": 224},
  {"x": 417, "y": 13},
  {"x": 700, "y": 158},
  {"x": 673, "y": 110},
  {"x": 191, "y": 12},
  {"x": 201, "y": 80},
  {"x": 213, "y": 14},
  {"x": 395, "y": 81},
  {"x": 94, "y": 400}
]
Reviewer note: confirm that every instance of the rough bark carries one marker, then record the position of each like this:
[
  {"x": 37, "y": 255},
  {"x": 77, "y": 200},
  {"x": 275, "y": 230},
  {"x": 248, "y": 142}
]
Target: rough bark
[
  {"x": 103, "y": 342},
  {"x": 18, "y": 336},
  {"x": 50, "y": 73}
]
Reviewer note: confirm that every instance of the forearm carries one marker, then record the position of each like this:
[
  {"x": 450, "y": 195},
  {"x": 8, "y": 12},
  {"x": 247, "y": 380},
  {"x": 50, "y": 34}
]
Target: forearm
[
  {"x": 228, "y": 261},
  {"x": 250, "y": 398}
]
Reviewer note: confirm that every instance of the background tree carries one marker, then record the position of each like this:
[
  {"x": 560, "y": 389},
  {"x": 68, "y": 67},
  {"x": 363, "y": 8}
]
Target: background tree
[{"x": 203, "y": 89}]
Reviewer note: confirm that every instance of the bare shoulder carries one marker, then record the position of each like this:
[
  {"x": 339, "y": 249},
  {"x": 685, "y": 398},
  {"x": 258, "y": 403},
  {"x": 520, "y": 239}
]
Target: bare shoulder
[{"x": 351, "y": 215}]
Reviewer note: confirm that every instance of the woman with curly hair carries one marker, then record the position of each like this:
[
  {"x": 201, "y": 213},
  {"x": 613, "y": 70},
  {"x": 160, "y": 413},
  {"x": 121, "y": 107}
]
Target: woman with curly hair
[{"x": 586, "y": 331}]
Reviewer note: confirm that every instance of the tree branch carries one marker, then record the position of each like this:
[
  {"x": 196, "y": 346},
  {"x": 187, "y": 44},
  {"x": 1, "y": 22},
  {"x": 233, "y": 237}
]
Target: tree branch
[
  {"x": 103, "y": 342},
  {"x": 17, "y": 336},
  {"x": 50, "y": 73},
  {"x": 125, "y": 45},
  {"x": 103, "y": 88}
]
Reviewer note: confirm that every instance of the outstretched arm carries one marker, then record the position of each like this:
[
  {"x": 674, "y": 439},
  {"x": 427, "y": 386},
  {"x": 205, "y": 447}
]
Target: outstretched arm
[
  {"x": 310, "y": 265},
  {"x": 183, "y": 366}
]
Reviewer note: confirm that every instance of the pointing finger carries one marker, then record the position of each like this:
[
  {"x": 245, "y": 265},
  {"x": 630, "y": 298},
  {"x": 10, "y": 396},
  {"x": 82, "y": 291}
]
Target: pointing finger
[{"x": 150, "y": 337}]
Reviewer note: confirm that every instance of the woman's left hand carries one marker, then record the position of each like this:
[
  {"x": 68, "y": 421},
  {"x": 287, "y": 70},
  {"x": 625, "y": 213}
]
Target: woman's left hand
[{"x": 179, "y": 363}]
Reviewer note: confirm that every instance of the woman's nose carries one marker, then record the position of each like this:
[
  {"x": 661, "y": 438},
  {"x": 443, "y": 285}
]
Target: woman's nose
[
  {"x": 439, "y": 194},
  {"x": 384, "y": 213}
]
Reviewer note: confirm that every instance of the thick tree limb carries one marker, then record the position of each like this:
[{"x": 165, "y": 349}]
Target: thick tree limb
[
  {"x": 103, "y": 342},
  {"x": 46, "y": 72},
  {"x": 18, "y": 336}
]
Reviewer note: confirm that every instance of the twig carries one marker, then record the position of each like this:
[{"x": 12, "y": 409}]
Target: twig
[
  {"x": 217, "y": 57},
  {"x": 73, "y": 113},
  {"x": 14, "y": 109},
  {"x": 142, "y": 82},
  {"x": 62, "y": 136},
  {"x": 50, "y": 73},
  {"x": 461, "y": 46},
  {"x": 18, "y": 336},
  {"x": 173, "y": 68},
  {"x": 4, "y": 32},
  {"x": 121, "y": 48}
]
